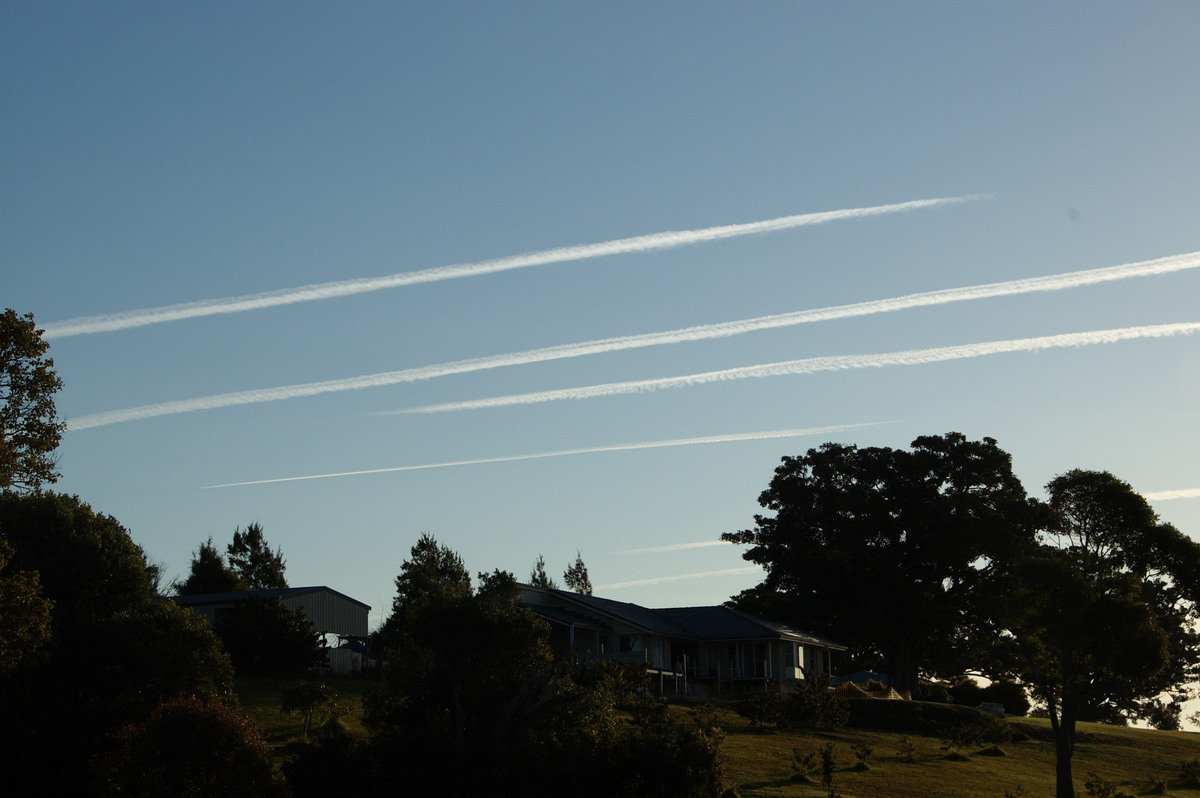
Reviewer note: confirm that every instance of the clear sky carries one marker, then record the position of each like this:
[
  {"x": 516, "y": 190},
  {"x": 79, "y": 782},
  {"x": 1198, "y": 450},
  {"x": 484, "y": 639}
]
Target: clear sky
[{"x": 157, "y": 155}]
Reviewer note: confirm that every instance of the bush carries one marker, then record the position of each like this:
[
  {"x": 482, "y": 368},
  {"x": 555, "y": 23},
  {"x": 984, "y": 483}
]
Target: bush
[
  {"x": 764, "y": 709},
  {"x": 813, "y": 704},
  {"x": 1189, "y": 774},
  {"x": 190, "y": 749}
]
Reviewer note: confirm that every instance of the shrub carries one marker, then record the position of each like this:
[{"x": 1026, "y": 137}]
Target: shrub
[
  {"x": 764, "y": 709},
  {"x": 862, "y": 752},
  {"x": 813, "y": 704},
  {"x": 1100, "y": 788},
  {"x": 1189, "y": 774},
  {"x": 805, "y": 766},
  {"x": 191, "y": 749},
  {"x": 907, "y": 749}
]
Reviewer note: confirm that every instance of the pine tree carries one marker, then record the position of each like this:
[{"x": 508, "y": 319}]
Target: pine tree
[
  {"x": 576, "y": 577},
  {"x": 209, "y": 574},
  {"x": 251, "y": 558},
  {"x": 538, "y": 576}
]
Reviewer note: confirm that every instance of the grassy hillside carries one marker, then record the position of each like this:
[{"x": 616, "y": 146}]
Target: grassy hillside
[{"x": 758, "y": 762}]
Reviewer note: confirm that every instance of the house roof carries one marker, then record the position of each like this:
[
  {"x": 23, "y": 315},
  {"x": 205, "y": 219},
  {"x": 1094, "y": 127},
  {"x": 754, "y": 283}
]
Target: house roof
[
  {"x": 279, "y": 593},
  {"x": 633, "y": 614},
  {"x": 715, "y": 623},
  {"x": 726, "y": 623}
]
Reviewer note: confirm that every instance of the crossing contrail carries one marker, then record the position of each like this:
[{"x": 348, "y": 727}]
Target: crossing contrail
[
  {"x": 309, "y": 293},
  {"x": 618, "y": 447},
  {"x": 1056, "y": 282},
  {"x": 812, "y": 365},
  {"x": 700, "y": 544},
  {"x": 745, "y": 569},
  {"x": 1164, "y": 495}
]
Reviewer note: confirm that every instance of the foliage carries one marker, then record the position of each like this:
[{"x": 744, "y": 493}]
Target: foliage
[
  {"x": 764, "y": 709},
  {"x": 1101, "y": 788},
  {"x": 862, "y": 752},
  {"x": 538, "y": 576},
  {"x": 116, "y": 650},
  {"x": 805, "y": 765},
  {"x": 209, "y": 574},
  {"x": 432, "y": 573},
  {"x": 192, "y": 749},
  {"x": 576, "y": 577},
  {"x": 306, "y": 698},
  {"x": 906, "y": 748},
  {"x": 265, "y": 638},
  {"x": 473, "y": 703},
  {"x": 813, "y": 704},
  {"x": 1189, "y": 773},
  {"x": 24, "y": 614},
  {"x": 251, "y": 558},
  {"x": 29, "y": 427},
  {"x": 1101, "y": 616},
  {"x": 884, "y": 548}
]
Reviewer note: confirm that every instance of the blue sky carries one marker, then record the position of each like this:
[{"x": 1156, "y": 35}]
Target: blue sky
[{"x": 160, "y": 154}]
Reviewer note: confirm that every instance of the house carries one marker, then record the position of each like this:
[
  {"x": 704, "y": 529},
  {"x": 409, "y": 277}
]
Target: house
[
  {"x": 341, "y": 619},
  {"x": 700, "y": 651}
]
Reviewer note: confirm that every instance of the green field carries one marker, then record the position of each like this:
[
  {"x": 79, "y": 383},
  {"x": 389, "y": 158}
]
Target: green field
[{"x": 758, "y": 762}]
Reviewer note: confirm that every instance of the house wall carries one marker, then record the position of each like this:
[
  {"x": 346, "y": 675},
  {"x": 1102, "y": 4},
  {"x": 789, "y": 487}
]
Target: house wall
[{"x": 331, "y": 613}]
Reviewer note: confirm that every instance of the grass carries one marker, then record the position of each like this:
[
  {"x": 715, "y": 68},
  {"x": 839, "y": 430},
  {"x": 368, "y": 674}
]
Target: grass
[
  {"x": 259, "y": 697},
  {"x": 758, "y": 762}
]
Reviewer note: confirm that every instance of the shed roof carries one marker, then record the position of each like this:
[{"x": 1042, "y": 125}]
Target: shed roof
[{"x": 279, "y": 593}]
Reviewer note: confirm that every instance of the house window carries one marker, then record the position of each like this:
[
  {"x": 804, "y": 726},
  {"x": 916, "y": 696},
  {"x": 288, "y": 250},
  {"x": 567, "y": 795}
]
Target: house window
[
  {"x": 625, "y": 643},
  {"x": 748, "y": 660}
]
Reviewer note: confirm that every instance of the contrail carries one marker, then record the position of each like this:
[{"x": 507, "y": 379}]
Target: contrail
[
  {"x": 812, "y": 365},
  {"x": 703, "y": 544},
  {"x": 1164, "y": 495},
  {"x": 309, "y": 293},
  {"x": 747, "y": 569},
  {"x": 703, "y": 332},
  {"x": 619, "y": 447}
]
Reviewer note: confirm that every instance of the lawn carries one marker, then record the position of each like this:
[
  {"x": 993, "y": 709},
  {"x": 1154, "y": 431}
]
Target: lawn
[{"x": 758, "y": 762}]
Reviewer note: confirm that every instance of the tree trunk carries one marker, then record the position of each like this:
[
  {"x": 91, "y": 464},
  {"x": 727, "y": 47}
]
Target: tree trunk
[
  {"x": 1064, "y": 748},
  {"x": 903, "y": 675}
]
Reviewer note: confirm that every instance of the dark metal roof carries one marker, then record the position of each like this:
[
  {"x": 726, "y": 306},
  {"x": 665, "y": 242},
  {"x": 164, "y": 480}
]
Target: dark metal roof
[
  {"x": 726, "y": 623},
  {"x": 241, "y": 595},
  {"x": 633, "y": 614}
]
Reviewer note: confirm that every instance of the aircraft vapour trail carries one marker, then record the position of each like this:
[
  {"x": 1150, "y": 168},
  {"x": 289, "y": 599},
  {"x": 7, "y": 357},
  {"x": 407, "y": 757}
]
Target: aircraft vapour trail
[
  {"x": 618, "y": 447},
  {"x": 1054, "y": 282},
  {"x": 308, "y": 293},
  {"x": 700, "y": 544},
  {"x": 746, "y": 569},
  {"x": 1165, "y": 495},
  {"x": 812, "y": 365}
]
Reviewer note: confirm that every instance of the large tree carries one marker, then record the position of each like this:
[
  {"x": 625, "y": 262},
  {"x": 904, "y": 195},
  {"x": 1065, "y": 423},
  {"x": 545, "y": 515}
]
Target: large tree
[
  {"x": 1100, "y": 618},
  {"x": 29, "y": 426},
  {"x": 209, "y": 573},
  {"x": 883, "y": 548},
  {"x": 250, "y": 556},
  {"x": 576, "y": 577},
  {"x": 115, "y": 652}
]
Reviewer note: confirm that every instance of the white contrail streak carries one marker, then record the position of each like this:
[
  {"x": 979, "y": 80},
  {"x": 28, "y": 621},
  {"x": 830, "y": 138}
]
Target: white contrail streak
[
  {"x": 702, "y": 544},
  {"x": 1056, "y": 282},
  {"x": 1165, "y": 495},
  {"x": 812, "y": 365},
  {"x": 746, "y": 569},
  {"x": 618, "y": 447},
  {"x": 308, "y": 293}
]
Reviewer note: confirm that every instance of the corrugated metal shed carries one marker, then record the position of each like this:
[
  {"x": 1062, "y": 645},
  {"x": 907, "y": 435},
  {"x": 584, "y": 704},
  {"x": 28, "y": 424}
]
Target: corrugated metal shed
[{"x": 329, "y": 611}]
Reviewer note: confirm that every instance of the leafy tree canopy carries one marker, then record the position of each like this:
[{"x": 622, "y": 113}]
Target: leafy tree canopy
[
  {"x": 883, "y": 548},
  {"x": 265, "y": 638},
  {"x": 29, "y": 425},
  {"x": 24, "y": 614},
  {"x": 1100, "y": 618},
  {"x": 251, "y": 558},
  {"x": 209, "y": 574},
  {"x": 116, "y": 649}
]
